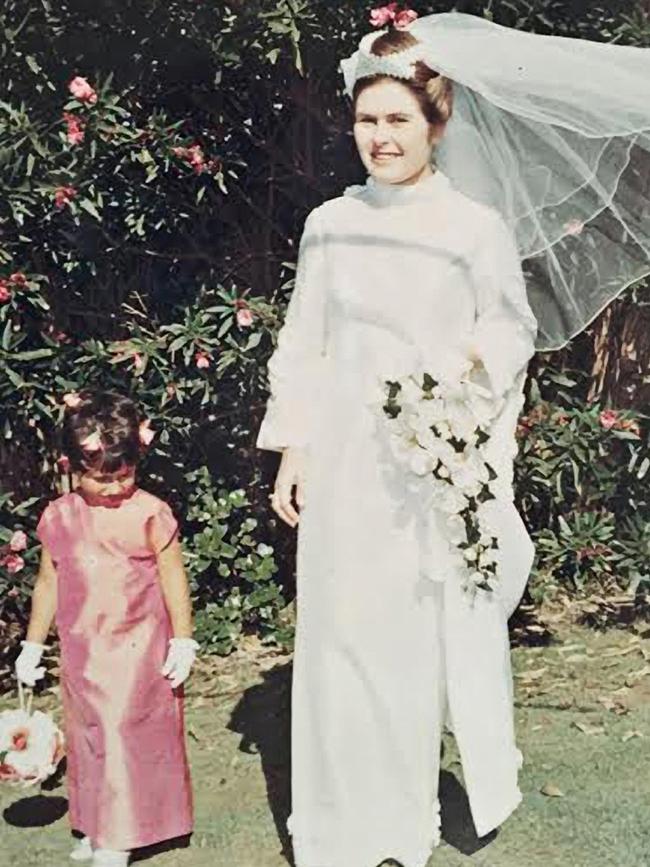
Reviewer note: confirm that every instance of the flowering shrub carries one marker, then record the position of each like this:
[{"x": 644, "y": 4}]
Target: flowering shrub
[
  {"x": 158, "y": 162},
  {"x": 582, "y": 484}
]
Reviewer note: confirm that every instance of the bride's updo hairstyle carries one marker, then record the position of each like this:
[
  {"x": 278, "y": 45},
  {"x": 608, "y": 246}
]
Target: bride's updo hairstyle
[{"x": 433, "y": 91}]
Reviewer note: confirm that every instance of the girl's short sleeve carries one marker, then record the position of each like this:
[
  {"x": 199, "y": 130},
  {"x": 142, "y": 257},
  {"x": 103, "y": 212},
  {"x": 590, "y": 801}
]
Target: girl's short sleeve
[
  {"x": 45, "y": 530},
  {"x": 162, "y": 528}
]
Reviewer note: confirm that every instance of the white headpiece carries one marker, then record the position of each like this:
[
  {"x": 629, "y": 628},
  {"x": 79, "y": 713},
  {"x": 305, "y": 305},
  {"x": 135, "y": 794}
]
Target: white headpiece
[
  {"x": 554, "y": 133},
  {"x": 398, "y": 64}
]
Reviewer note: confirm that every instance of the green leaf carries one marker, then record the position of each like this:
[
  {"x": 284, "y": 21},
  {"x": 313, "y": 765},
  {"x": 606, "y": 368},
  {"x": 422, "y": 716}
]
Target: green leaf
[{"x": 90, "y": 208}]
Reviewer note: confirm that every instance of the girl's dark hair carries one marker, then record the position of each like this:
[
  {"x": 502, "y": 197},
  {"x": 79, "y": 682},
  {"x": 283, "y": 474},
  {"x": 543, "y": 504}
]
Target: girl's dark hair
[
  {"x": 112, "y": 421},
  {"x": 433, "y": 91}
]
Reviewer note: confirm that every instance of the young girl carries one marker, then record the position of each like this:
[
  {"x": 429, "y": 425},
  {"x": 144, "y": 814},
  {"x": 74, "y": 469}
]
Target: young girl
[{"x": 112, "y": 573}]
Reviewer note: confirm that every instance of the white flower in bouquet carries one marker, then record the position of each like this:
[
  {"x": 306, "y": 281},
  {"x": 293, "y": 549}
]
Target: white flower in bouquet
[
  {"x": 461, "y": 420},
  {"x": 451, "y": 501},
  {"x": 465, "y": 478},
  {"x": 487, "y": 558},
  {"x": 421, "y": 463},
  {"x": 456, "y": 529},
  {"x": 439, "y": 425},
  {"x": 470, "y": 554}
]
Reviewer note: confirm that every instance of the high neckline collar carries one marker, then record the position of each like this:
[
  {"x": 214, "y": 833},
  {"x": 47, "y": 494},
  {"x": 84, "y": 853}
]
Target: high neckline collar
[
  {"x": 108, "y": 501},
  {"x": 423, "y": 190}
]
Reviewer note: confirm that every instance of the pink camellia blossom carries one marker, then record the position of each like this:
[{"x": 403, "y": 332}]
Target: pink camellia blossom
[
  {"x": 63, "y": 196},
  {"x": 5, "y": 292},
  {"x": 382, "y": 15},
  {"x": 18, "y": 541},
  {"x": 82, "y": 90},
  {"x": 75, "y": 132},
  {"x": 145, "y": 433},
  {"x": 201, "y": 360},
  {"x": 608, "y": 418},
  {"x": 244, "y": 317},
  {"x": 18, "y": 279},
  {"x": 92, "y": 443},
  {"x": 13, "y": 563},
  {"x": 71, "y": 400},
  {"x": 193, "y": 156},
  {"x": 404, "y": 19},
  {"x": 574, "y": 227}
]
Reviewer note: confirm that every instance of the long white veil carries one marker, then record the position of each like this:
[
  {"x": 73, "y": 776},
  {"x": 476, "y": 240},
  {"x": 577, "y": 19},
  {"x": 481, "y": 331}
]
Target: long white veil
[{"x": 555, "y": 134}]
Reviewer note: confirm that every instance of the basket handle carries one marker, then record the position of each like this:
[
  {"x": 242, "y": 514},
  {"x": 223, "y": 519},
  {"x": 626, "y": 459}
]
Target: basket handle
[{"x": 25, "y": 703}]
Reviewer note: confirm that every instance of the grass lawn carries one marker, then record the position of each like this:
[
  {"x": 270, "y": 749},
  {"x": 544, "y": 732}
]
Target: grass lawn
[{"x": 583, "y": 718}]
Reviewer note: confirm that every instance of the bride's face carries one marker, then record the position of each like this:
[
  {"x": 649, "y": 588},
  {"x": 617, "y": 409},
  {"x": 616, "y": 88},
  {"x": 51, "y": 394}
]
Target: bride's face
[{"x": 392, "y": 134}]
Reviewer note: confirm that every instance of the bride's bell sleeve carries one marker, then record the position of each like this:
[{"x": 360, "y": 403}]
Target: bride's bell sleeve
[
  {"x": 295, "y": 368},
  {"x": 504, "y": 332}
]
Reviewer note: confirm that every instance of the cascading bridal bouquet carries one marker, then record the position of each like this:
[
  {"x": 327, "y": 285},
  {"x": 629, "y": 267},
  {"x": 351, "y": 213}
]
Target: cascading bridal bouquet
[{"x": 440, "y": 428}]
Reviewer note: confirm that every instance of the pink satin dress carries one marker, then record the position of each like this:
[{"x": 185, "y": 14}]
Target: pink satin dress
[{"x": 128, "y": 776}]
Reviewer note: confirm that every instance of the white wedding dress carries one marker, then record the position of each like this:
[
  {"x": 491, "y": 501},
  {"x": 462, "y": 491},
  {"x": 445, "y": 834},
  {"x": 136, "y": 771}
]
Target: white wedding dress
[{"x": 391, "y": 278}]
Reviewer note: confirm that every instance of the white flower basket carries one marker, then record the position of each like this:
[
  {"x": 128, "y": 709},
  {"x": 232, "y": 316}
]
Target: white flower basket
[{"x": 31, "y": 744}]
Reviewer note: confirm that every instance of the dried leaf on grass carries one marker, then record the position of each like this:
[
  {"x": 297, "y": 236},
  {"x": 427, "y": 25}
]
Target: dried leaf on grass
[
  {"x": 551, "y": 791},
  {"x": 632, "y": 734},
  {"x": 587, "y": 729}
]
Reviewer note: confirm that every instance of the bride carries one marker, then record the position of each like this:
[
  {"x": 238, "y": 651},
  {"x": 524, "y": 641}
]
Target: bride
[{"x": 403, "y": 273}]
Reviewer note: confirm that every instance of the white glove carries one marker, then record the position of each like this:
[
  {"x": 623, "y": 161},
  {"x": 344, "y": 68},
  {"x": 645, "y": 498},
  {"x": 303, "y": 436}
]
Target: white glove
[
  {"x": 180, "y": 658},
  {"x": 26, "y": 666}
]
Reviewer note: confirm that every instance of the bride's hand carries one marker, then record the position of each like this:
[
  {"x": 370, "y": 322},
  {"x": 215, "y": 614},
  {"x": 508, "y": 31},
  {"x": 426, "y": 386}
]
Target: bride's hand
[{"x": 290, "y": 476}]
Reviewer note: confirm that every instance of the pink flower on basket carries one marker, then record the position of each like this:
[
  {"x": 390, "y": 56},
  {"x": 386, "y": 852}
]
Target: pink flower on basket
[
  {"x": 5, "y": 292},
  {"x": 18, "y": 279},
  {"x": 13, "y": 563},
  {"x": 382, "y": 15},
  {"x": 32, "y": 746},
  {"x": 574, "y": 227},
  {"x": 405, "y": 18},
  {"x": 92, "y": 443},
  {"x": 202, "y": 360},
  {"x": 608, "y": 418},
  {"x": 82, "y": 91},
  {"x": 18, "y": 541},
  {"x": 71, "y": 400},
  {"x": 244, "y": 317},
  {"x": 145, "y": 433}
]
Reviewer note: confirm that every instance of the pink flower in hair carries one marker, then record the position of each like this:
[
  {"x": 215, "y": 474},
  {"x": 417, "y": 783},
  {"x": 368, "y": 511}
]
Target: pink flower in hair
[
  {"x": 383, "y": 15},
  {"x": 145, "y": 433},
  {"x": 93, "y": 442},
  {"x": 404, "y": 19},
  {"x": 71, "y": 400},
  {"x": 18, "y": 541}
]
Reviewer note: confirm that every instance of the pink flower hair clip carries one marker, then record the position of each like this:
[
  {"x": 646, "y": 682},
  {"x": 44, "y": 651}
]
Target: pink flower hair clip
[
  {"x": 92, "y": 443},
  {"x": 382, "y": 16},
  {"x": 145, "y": 433}
]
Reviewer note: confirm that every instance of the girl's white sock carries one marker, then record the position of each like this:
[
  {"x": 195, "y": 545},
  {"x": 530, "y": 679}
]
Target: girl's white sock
[
  {"x": 110, "y": 858},
  {"x": 83, "y": 850}
]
